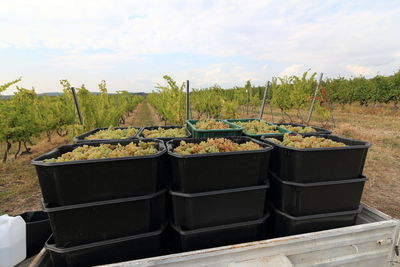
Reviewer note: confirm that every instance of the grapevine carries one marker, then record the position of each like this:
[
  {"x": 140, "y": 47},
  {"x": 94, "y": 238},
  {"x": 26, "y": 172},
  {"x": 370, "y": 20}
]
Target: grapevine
[{"x": 27, "y": 115}]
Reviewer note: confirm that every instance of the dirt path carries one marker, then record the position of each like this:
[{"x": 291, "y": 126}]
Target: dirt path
[
  {"x": 143, "y": 115},
  {"x": 19, "y": 186},
  {"x": 155, "y": 117},
  {"x": 130, "y": 119}
]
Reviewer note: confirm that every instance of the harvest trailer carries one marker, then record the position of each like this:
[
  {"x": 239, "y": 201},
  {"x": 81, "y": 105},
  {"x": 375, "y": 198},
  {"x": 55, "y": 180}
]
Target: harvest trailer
[
  {"x": 374, "y": 241},
  {"x": 190, "y": 199}
]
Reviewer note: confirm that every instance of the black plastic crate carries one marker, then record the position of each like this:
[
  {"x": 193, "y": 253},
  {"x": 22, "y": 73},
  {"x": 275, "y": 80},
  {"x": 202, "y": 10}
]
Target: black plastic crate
[
  {"x": 96, "y": 221},
  {"x": 198, "y": 210},
  {"x": 110, "y": 251},
  {"x": 81, "y": 138},
  {"x": 318, "y": 130},
  {"x": 166, "y": 160},
  {"x": 220, "y": 235},
  {"x": 37, "y": 231},
  {"x": 319, "y": 164},
  {"x": 74, "y": 182},
  {"x": 165, "y": 139},
  {"x": 284, "y": 224},
  {"x": 216, "y": 171},
  {"x": 299, "y": 199}
]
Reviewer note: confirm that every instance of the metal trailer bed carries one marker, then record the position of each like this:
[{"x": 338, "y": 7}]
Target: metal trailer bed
[{"x": 373, "y": 241}]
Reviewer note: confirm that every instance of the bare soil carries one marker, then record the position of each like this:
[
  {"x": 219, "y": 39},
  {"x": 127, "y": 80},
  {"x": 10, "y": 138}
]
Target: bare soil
[{"x": 19, "y": 186}]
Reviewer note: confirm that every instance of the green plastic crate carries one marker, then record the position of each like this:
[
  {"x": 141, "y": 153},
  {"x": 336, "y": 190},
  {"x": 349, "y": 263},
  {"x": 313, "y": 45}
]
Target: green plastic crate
[
  {"x": 271, "y": 135},
  {"x": 234, "y": 130}
]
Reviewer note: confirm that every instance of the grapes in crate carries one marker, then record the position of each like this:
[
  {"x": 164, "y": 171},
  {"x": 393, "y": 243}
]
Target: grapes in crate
[
  {"x": 102, "y": 151},
  {"x": 211, "y": 124},
  {"x": 162, "y": 132},
  {"x": 298, "y": 141},
  {"x": 298, "y": 129},
  {"x": 258, "y": 127},
  {"x": 112, "y": 134},
  {"x": 214, "y": 145}
]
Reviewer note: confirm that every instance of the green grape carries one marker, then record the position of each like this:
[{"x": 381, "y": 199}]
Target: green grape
[
  {"x": 211, "y": 124},
  {"x": 214, "y": 145},
  {"x": 102, "y": 151},
  {"x": 161, "y": 132},
  {"x": 112, "y": 133},
  {"x": 258, "y": 127},
  {"x": 298, "y": 129},
  {"x": 299, "y": 141}
]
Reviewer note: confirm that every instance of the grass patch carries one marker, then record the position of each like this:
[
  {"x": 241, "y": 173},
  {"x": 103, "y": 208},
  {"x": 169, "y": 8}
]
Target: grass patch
[{"x": 143, "y": 115}]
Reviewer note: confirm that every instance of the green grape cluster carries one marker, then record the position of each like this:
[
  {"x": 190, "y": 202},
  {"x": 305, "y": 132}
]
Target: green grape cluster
[
  {"x": 299, "y": 141},
  {"x": 214, "y": 145},
  {"x": 258, "y": 127},
  {"x": 102, "y": 151},
  {"x": 211, "y": 124},
  {"x": 162, "y": 132},
  {"x": 112, "y": 133},
  {"x": 298, "y": 129}
]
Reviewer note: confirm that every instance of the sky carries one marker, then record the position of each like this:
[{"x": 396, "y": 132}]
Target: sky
[{"x": 132, "y": 44}]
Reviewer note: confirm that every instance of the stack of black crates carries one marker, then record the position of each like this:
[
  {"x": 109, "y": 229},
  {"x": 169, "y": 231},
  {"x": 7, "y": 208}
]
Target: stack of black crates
[
  {"x": 220, "y": 198},
  {"x": 105, "y": 210},
  {"x": 318, "y": 188},
  {"x": 116, "y": 209}
]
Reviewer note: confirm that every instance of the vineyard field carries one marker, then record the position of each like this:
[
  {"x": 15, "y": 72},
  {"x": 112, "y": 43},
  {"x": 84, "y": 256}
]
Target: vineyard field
[
  {"x": 27, "y": 115},
  {"x": 20, "y": 190},
  {"x": 31, "y": 125}
]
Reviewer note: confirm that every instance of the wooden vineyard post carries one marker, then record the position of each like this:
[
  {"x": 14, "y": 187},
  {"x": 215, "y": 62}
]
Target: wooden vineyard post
[
  {"x": 264, "y": 99},
  {"x": 314, "y": 97},
  {"x": 77, "y": 106},
  {"x": 187, "y": 101}
]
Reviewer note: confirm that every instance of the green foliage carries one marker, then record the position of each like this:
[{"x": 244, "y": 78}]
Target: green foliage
[
  {"x": 280, "y": 93},
  {"x": 5, "y": 86},
  {"x": 208, "y": 101},
  {"x": 169, "y": 101},
  {"x": 19, "y": 119},
  {"x": 230, "y": 109},
  {"x": 379, "y": 89},
  {"x": 296, "y": 93},
  {"x": 26, "y": 115},
  {"x": 101, "y": 110},
  {"x": 211, "y": 102}
]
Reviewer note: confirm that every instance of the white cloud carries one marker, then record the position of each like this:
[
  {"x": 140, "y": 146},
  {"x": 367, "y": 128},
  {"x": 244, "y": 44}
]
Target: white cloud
[
  {"x": 281, "y": 37},
  {"x": 296, "y": 69},
  {"x": 222, "y": 74},
  {"x": 360, "y": 70}
]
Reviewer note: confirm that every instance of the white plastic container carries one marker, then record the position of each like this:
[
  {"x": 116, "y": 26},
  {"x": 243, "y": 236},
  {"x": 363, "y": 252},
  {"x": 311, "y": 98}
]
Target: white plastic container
[{"x": 12, "y": 240}]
